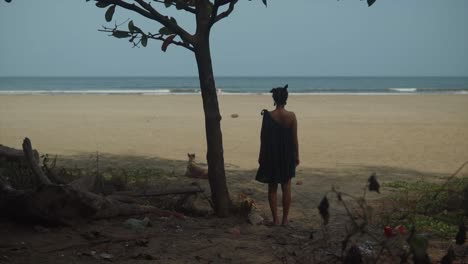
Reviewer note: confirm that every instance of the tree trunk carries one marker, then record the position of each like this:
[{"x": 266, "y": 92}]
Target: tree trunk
[{"x": 214, "y": 138}]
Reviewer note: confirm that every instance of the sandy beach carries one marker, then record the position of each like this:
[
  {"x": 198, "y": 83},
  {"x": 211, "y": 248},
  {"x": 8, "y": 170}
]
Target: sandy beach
[
  {"x": 420, "y": 132},
  {"x": 343, "y": 138}
]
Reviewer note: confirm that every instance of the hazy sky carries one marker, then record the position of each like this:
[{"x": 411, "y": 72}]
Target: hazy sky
[{"x": 289, "y": 38}]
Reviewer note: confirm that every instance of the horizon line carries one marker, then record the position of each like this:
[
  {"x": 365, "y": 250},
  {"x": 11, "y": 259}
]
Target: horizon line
[{"x": 236, "y": 76}]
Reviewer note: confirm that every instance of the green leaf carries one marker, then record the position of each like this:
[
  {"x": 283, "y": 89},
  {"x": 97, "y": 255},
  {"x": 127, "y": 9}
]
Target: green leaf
[
  {"x": 165, "y": 31},
  {"x": 144, "y": 40},
  {"x": 110, "y": 13},
  {"x": 173, "y": 20},
  {"x": 101, "y": 4},
  {"x": 370, "y": 2},
  {"x": 131, "y": 26},
  {"x": 167, "y": 3},
  {"x": 120, "y": 34}
]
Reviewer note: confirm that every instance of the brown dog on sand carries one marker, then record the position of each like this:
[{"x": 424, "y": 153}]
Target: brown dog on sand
[{"x": 193, "y": 170}]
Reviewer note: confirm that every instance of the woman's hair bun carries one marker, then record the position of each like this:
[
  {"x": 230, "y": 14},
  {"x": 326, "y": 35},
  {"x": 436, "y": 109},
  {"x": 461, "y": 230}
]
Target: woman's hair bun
[{"x": 280, "y": 95}]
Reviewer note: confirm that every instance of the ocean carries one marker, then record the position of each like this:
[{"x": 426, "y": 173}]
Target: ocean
[{"x": 232, "y": 85}]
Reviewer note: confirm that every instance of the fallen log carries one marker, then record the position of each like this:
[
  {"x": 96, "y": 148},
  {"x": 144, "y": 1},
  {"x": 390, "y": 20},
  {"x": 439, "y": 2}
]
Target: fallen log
[
  {"x": 15, "y": 155},
  {"x": 52, "y": 204}
]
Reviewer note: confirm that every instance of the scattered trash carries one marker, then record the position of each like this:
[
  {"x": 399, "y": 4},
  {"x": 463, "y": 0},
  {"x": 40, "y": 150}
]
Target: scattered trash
[
  {"x": 234, "y": 115},
  {"x": 401, "y": 229},
  {"x": 137, "y": 224},
  {"x": 255, "y": 218},
  {"x": 106, "y": 256},
  {"x": 367, "y": 248},
  {"x": 388, "y": 232},
  {"x": 234, "y": 231},
  {"x": 299, "y": 183},
  {"x": 178, "y": 229}
]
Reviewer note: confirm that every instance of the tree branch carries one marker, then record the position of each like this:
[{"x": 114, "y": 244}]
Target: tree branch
[
  {"x": 184, "y": 6},
  {"x": 139, "y": 35},
  {"x": 184, "y": 35},
  {"x": 148, "y": 11},
  {"x": 224, "y": 14}
]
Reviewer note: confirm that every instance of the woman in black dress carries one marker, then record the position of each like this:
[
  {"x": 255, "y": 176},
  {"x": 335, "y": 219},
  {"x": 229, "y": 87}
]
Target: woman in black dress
[{"x": 279, "y": 152}]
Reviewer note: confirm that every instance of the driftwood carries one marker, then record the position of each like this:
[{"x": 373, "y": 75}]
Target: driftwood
[
  {"x": 15, "y": 155},
  {"x": 52, "y": 204},
  {"x": 33, "y": 163}
]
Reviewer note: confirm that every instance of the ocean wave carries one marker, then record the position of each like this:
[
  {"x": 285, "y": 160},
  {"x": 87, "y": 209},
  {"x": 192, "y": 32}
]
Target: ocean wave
[
  {"x": 129, "y": 91},
  {"x": 461, "y": 92},
  {"x": 191, "y": 91},
  {"x": 404, "y": 90}
]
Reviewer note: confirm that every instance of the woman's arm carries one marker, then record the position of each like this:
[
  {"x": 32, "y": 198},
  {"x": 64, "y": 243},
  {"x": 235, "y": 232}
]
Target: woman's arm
[
  {"x": 262, "y": 131},
  {"x": 296, "y": 141}
]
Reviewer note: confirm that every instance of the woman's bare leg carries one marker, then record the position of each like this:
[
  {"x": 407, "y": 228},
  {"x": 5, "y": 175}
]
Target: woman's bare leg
[
  {"x": 272, "y": 190},
  {"x": 286, "y": 188}
]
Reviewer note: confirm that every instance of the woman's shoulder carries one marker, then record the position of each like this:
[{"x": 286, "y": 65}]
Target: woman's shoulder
[{"x": 289, "y": 114}]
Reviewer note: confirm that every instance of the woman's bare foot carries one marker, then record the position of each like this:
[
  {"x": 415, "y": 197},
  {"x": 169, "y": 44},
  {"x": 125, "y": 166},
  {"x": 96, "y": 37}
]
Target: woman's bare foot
[{"x": 285, "y": 222}]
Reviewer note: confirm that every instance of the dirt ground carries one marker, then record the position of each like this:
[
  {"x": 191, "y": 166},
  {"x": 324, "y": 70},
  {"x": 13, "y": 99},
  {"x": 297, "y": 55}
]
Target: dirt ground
[{"x": 210, "y": 239}]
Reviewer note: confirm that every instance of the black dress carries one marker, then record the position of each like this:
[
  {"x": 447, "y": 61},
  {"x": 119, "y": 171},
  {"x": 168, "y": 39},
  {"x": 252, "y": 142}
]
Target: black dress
[{"x": 277, "y": 152}]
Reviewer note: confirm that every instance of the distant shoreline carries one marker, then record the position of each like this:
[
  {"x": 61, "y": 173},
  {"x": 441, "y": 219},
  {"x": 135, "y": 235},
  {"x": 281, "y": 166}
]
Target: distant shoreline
[
  {"x": 165, "y": 93},
  {"x": 233, "y": 85}
]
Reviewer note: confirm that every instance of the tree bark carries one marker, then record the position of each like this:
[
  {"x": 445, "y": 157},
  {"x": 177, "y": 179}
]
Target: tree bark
[
  {"x": 33, "y": 163},
  {"x": 214, "y": 138},
  {"x": 16, "y": 155}
]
